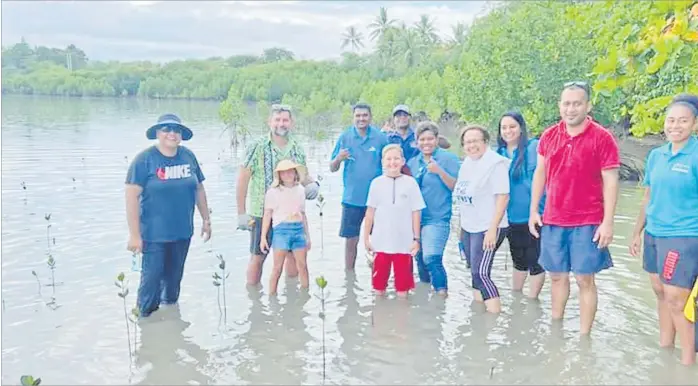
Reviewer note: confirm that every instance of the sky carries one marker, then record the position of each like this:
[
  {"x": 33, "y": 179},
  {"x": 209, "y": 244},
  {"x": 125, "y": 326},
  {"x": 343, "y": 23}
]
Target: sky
[{"x": 170, "y": 30}]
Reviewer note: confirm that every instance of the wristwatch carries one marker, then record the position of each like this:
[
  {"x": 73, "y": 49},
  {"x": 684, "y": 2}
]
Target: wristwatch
[{"x": 416, "y": 239}]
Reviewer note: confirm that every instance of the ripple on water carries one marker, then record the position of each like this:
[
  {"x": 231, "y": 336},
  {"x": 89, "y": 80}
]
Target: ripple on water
[{"x": 261, "y": 341}]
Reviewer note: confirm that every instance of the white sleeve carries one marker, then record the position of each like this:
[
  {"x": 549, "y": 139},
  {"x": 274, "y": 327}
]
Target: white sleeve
[
  {"x": 500, "y": 178},
  {"x": 372, "y": 200},
  {"x": 417, "y": 199}
]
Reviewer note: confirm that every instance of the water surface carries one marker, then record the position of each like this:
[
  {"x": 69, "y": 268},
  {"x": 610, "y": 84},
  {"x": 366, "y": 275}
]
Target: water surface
[{"x": 72, "y": 156}]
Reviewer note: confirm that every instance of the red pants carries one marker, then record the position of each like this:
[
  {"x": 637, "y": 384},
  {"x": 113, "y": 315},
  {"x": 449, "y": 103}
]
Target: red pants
[{"x": 404, "y": 280}]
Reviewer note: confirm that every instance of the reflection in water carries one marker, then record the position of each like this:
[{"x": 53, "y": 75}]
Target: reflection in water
[
  {"x": 171, "y": 358},
  {"x": 271, "y": 351},
  {"x": 47, "y": 142}
]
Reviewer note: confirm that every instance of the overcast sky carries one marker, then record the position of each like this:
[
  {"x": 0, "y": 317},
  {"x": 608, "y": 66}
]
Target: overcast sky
[{"x": 167, "y": 30}]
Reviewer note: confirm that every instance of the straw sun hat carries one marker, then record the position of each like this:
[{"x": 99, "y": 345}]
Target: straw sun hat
[{"x": 284, "y": 165}]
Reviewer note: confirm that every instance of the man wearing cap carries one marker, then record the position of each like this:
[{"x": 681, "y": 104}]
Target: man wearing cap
[
  {"x": 163, "y": 185},
  {"x": 256, "y": 175},
  {"x": 403, "y": 134},
  {"x": 359, "y": 147}
]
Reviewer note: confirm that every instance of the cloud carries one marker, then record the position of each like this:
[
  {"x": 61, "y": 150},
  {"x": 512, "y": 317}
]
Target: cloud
[{"x": 168, "y": 30}]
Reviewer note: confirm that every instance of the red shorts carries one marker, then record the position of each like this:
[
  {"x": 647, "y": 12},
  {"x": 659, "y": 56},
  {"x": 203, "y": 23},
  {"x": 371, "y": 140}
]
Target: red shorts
[{"x": 402, "y": 265}]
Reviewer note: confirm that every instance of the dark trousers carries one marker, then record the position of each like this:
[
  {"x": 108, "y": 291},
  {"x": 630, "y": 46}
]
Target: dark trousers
[{"x": 161, "y": 274}]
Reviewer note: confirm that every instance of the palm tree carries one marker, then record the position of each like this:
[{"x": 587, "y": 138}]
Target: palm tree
[
  {"x": 459, "y": 32},
  {"x": 380, "y": 25},
  {"x": 410, "y": 45},
  {"x": 426, "y": 30},
  {"x": 352, "y": 38}
]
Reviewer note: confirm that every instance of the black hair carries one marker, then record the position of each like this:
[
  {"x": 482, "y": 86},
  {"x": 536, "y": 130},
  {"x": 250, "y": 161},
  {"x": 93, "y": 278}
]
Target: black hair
[
  {"x": 364, "y": 106},
  {"x": 425, "y": 126},
  {"x": 688, "y": 100},
  {"x": 523, "y": 142},
  {"x": 482, "y": 129}
]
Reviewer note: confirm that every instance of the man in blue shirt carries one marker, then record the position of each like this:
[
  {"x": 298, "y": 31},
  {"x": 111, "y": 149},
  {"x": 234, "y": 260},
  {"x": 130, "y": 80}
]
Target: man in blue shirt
[
  {"x": 403, "y": 134},
  {"x": 359, "y": 148}
]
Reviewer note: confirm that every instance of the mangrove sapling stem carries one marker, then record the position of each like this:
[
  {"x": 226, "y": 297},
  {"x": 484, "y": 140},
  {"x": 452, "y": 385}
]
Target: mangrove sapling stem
[
  {"x": 122, "y": 294},
  {"x": 322, "y": 283},
  {"x": 128, "y": 332},
  {"x": 37, "y": 281},
  {"x": 136, "y": 315},
  {"x": 224, "y": 276}
]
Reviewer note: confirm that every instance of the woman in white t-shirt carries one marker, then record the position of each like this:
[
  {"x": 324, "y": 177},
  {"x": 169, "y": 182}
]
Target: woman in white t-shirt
[{"x": 482, "y": 195}]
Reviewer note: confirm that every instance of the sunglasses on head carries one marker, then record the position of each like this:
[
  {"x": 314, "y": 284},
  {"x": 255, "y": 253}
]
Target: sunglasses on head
[
  {"x": 577, "y": 83},
  {"x": 277, "y": 108},
  {"x": 171, "y": 128}
]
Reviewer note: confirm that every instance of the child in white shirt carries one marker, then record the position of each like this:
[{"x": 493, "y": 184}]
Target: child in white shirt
[
  {"x": 284, "y": 207},
  {"x": 392, "y": 224}
]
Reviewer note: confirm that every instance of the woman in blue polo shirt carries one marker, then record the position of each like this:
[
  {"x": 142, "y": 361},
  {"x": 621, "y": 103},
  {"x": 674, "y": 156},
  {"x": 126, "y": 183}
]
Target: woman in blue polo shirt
[
  {"x": 513, "y": 143},
  {"x": 669, "y": 217},
  {"x": 163, "y": 184},
  {"x": 436, "y": 171}
]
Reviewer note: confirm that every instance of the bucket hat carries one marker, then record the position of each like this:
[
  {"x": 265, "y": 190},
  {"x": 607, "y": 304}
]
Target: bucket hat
[
  {"x": 169, "y": 120},
  {"x": 284, "y": 165}
]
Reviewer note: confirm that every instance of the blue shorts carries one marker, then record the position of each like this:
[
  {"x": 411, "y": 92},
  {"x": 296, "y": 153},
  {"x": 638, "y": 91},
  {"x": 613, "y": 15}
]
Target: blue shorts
[
  {"x": 572, "y": 249},
  {"x": 674, "y": 259},
  {"x": 352, "y": 217},
  {"x": 289, "y": 236}
]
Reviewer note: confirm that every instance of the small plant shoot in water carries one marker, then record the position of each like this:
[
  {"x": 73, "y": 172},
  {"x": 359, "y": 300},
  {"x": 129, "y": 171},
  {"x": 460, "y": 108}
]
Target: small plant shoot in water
[
  {"x": 321, "y": 205},
  {"x": 123, "y": 286},
  {"x": 218, "y": 282},
  {"x": 28, "y": 380},
  {"x": 322, "y": 283}
]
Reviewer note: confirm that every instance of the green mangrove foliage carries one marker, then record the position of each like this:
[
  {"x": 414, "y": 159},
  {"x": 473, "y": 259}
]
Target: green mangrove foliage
[{"x": 636, "y": 54}]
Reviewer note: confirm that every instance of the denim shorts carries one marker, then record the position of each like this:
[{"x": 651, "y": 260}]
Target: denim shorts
[
  {"x": 352, "y": 217},
  {"x": 674, "y": 259},
  {"x": 289, "y": 236},
  {"x": 565, "y": 249}
]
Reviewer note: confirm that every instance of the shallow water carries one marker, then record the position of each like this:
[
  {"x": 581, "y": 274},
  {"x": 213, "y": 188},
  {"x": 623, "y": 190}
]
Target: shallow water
[{"x": 73, "y": 154}]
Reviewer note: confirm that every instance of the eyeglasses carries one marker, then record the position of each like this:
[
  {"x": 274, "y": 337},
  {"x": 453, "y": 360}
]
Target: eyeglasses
[{"x": 171, "y": 128}]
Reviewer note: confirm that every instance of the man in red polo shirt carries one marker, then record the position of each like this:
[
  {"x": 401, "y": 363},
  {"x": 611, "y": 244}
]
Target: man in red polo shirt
[{"x": 578, "y": 162}]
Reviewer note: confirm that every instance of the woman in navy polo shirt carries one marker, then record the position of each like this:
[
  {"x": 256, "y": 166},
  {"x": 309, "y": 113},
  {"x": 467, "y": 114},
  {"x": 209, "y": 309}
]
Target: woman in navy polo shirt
[
  {"x": 436, "y": 171},
  {"x": 513, "y": 143},
  {"x": 669, "y": 217},
  {"x": 163, "y": 184}
]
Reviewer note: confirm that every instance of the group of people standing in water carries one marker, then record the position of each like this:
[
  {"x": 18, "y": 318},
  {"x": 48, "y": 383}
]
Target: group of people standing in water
[{"x": 553, "y": 198}]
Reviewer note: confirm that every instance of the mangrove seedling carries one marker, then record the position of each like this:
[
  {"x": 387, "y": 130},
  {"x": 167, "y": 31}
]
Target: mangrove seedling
[
  {"x": 322, "y": 283},
  {"x": 28, "y": 380},
  {"x": 47, "y": 217},
  {"x": 218, "y": 281},
  {"x": 24, "y": 188},
  {"x": 37, "y": 281},
  {"x": 122, "y": 284},
  {"x": 321, "y": 204}
]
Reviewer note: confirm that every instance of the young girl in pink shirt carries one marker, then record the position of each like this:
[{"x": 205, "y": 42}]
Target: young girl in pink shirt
[{"x": 284, "y": 207}]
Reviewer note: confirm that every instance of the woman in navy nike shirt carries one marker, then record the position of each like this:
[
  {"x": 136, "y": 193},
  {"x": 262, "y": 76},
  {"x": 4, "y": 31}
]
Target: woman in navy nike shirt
[{"x": 163, "y": 184}]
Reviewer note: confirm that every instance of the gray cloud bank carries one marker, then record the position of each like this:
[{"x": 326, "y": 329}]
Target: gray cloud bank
[{"x": 168, "y": 30}]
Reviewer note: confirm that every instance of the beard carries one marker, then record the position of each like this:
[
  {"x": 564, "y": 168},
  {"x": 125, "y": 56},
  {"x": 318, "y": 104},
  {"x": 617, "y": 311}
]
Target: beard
[{"x": 281, "y": 131}]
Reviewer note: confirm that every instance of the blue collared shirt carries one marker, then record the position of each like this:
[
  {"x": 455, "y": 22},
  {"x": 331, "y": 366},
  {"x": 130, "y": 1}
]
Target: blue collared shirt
[
  {"x": 437, "y": 196},
  {"x": 673, "y": 181},
  {"x": 520, "y": 188},
  {"x": 408, "y": 143},
  {"x": 363, "y": 165}
]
